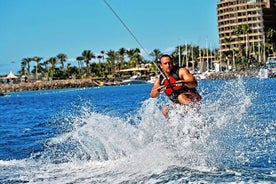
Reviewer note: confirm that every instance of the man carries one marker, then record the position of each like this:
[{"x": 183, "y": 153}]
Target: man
[{"x": 177, "y": 83}]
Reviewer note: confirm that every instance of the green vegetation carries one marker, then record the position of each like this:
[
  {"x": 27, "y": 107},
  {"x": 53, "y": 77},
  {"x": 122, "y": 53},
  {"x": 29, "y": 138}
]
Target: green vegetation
[{"x": 107, "y": 64}]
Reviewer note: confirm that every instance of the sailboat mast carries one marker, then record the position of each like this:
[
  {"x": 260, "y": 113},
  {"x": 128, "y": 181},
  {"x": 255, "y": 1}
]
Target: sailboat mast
[
  {"x": 179, "y": 55},
  {"x": 186, "y": 55}
]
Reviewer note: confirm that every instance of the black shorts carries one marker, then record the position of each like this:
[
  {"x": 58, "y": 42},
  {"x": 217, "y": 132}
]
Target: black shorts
[{"x": 194, "y": 96}]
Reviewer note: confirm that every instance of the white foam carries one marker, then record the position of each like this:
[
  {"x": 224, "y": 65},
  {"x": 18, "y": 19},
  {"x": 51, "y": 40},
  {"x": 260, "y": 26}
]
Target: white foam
[{"x": 106, "y": 149}]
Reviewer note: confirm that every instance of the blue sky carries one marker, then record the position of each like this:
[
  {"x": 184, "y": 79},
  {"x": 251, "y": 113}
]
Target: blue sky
[{"x": 46, "y": 28}]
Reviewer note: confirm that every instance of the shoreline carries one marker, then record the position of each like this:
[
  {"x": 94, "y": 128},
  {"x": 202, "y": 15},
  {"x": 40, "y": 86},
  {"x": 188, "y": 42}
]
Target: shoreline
[
  {"x": 48, "y": 85},
  {"x": 80, "y": 83}
]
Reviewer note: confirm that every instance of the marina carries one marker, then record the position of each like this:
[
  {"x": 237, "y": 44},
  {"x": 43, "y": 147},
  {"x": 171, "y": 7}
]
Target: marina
[{"x": 269, "y": 70}]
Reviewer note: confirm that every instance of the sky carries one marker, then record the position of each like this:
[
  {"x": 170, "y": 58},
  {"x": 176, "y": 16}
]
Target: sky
[{"x": 46, "y": 28}]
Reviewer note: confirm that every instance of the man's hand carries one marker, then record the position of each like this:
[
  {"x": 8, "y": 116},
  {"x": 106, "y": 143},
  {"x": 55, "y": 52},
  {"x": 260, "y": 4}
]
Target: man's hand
[
  {"x": 163, "y": 87},
  {"x": 179, "y": 83}
]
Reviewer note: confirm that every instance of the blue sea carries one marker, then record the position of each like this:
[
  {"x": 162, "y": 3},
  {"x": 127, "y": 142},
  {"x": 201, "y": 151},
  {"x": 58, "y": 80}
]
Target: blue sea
[{"x": 117, "y": 134}]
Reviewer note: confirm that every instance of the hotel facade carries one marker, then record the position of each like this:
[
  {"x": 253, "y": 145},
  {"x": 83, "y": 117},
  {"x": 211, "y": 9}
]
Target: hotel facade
[{"x": 258, "y": 15}]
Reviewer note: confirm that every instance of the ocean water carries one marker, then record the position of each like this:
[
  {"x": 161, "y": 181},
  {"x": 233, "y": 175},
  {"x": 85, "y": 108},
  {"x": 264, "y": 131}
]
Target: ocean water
[{"x": 117, "y": 134}]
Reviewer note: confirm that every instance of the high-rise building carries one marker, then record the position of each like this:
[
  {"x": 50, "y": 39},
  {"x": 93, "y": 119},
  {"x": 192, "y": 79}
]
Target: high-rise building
[{"x": 257, "y": 16}]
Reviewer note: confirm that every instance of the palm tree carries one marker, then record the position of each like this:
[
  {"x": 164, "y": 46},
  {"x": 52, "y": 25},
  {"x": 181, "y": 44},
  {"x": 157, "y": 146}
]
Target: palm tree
[
  {"x": 80, "y": 64},
  {"x": 245, "y": 28},
  {"x": 87, "y": 56},
  {"x": 134, "y": 57},
  {"x": 239, "y": 30},
  {"x": 156, "y": 53},
  {"x": 111, "y": 58},
  {"x": 53, "y": 62},
  {"x": 46, "y": 69},
  {"x": 62, "y": 58},
  {"x": 228, "y": 41},
  {"x": 37, "y": 60},
  {"x": 28, "y": 60},
  {"x": 121, "y": 52},
  {"x": 138, "y": 55},
  {"x": 270, "y": 35},
  {"x": 102, "y": 52},
  {"x": 99, "y": 57},
  {"x": 24, "y": 63}
]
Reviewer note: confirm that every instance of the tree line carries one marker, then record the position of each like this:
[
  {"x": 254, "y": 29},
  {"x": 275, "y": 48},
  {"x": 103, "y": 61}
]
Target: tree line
[
  {"x": 106, "y": 64},
  {"x": 246, "y": 55}
]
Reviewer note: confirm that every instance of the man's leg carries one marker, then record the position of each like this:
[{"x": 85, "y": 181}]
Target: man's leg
[
  {"x": 183, "y": 99},
  {"x": 165, "y": 111}
]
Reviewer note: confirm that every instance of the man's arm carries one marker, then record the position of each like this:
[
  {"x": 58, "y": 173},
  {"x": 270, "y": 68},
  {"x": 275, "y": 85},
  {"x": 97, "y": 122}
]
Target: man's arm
[
  {"x": 154, "y": 91},
  {"x": 188, "y": 78}
]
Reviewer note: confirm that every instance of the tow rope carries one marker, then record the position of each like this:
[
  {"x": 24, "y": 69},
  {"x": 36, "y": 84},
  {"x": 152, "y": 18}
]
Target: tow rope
[{"x": 130, "y": 32}]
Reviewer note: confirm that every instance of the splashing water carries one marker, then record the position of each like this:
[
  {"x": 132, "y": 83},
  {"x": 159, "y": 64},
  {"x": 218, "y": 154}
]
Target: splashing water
[{"x": 215, "y": 142}]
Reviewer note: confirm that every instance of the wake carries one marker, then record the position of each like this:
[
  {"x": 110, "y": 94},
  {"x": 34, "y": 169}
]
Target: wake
[{"x": 111, "y": 149}]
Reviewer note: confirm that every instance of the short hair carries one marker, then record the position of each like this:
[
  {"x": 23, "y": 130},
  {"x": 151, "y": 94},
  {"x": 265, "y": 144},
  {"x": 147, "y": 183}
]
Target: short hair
[{"x": 164, "y": 55}]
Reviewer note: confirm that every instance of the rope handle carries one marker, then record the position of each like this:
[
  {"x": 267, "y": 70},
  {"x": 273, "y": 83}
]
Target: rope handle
[{"x": 163, "y": 87}]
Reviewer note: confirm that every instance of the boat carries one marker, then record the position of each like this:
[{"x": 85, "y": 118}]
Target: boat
[
  {"x": 269, "y": 70},
  {"x": 152, "y": 79},
  {"x": 4, "y": 94},
  {"x": 135, "y": 79}
]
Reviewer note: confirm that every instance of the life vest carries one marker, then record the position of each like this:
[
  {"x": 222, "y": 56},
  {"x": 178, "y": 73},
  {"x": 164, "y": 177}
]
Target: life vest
[
  {"x": 170, "y": 87},
  {"x": 172, "y": 90},
  {"x": 170, "y": 81}
]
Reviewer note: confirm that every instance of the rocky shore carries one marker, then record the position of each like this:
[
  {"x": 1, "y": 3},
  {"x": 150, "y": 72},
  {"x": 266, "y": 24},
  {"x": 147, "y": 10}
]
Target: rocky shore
[
  {"x": 44, "y": 85},
  {"x": 80, "y": 83}
]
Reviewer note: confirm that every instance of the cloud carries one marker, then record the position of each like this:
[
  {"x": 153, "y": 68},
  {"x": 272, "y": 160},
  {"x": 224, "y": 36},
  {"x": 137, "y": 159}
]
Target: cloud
[
  {"x": 169, "y": 49},
  {"x": 71, "y": 59}
]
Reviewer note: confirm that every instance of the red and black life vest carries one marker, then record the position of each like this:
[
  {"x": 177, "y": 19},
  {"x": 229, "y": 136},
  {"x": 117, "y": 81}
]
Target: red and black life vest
[
  {"x": 171, "y": 89},
  {"x": 169, "y": 83}
]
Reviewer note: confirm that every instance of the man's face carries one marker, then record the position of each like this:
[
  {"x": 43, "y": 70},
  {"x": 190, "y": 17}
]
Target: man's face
[{"x": 166, "y": 64}]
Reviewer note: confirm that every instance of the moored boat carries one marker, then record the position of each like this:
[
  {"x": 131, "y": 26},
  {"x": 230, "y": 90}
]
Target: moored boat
[
  {"x": 4, "y": 94},
  {"x": 269, "y": 70},
  {"x": 135, "y": 79},
  {"x": 152, "y": 79}
]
